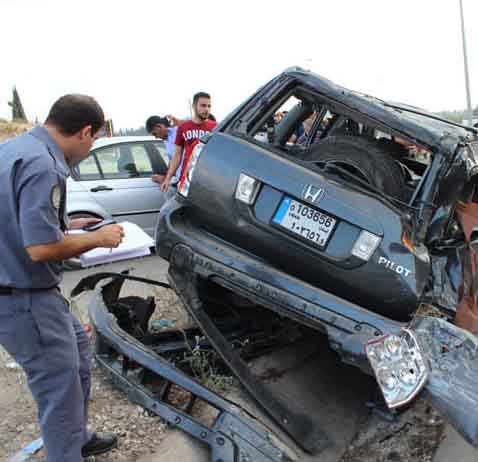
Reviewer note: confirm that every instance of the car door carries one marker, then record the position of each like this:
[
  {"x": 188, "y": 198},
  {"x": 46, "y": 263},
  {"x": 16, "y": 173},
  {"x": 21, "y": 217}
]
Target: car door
[{"x": 125, "y": 188}]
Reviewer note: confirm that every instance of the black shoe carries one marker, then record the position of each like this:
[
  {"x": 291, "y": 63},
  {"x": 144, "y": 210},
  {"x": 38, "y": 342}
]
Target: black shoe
[{"x": 99, "y": 445}]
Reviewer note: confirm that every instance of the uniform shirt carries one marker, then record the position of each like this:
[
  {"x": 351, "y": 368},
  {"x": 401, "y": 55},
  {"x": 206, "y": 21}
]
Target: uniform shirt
[
  {"x": 188, "y": 135},
  {"x": 33, "y": 174}
]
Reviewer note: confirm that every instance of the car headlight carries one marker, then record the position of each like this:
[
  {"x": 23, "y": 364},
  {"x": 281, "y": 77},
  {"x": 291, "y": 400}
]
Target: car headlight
[
  {"x": 183, "y": 187},
  {"x": 399, "y": 367}
]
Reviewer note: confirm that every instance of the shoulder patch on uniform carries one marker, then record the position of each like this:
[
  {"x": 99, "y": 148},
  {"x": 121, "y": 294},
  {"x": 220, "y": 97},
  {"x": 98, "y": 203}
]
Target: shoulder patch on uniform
[{"x": 56, "y": 196}]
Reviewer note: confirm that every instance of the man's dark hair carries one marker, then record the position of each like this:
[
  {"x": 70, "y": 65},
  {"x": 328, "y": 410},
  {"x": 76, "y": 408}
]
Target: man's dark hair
[
  {"x": 71, "y": 113},
  {"x": 155, "y": 120},
  {"x": 200, "y": 94}
]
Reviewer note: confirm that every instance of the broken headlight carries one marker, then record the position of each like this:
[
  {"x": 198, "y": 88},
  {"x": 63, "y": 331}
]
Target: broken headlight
[
  {"x": 399, "y": 367},
  {"x": 183, "y": 187}
]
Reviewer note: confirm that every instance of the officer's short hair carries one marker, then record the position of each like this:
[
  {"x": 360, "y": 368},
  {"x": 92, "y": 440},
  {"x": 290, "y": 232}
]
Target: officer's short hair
[
  {"x": 70, "y": 113},
  {"x": 200, "y": 94}
]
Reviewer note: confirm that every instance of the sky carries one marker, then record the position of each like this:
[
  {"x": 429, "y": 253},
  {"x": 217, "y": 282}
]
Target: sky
[{"x": 144, "y": 57}]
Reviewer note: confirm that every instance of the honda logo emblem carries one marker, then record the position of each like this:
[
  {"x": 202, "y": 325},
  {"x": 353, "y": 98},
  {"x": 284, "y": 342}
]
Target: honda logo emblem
[{"x": 312, "y": 193}]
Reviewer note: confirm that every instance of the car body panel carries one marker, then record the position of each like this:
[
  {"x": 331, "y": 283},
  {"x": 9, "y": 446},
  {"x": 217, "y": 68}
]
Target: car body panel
[{"x": 134, "y": 199}]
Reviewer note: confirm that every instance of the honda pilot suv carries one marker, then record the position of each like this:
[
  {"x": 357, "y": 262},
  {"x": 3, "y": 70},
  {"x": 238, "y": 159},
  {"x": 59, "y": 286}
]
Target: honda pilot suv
[
  {"x": 353, "y": 210},
  {"x": 339, "y": 211},
  {"x": 313, "y": 219}
]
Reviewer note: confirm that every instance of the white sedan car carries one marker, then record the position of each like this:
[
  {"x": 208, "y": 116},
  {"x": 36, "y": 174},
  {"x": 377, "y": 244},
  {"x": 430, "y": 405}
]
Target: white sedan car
[{"x": 114, "y": 181}]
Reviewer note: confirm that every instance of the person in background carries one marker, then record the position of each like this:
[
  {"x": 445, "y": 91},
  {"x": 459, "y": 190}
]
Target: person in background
[
  {"x": 188, "y": 134},
  {"x": 164, "y": 128},
  {"x": 307, "y": 125},
  {"x": 161, "y": 129}
]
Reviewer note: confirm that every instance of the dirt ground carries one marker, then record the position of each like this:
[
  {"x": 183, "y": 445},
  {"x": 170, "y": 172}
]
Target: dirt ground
[
  {"x": 109, "y": 409},
  {"x": 414, "y": 437}
]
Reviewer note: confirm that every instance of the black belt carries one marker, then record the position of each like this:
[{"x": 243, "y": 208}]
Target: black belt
[
  {"x": 9, "y": 290},
  {"x": 6, "y": 290}
]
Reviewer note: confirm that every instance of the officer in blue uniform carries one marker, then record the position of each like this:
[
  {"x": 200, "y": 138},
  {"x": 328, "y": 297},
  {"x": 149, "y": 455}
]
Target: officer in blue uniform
[{"x": 36, "y": 325}]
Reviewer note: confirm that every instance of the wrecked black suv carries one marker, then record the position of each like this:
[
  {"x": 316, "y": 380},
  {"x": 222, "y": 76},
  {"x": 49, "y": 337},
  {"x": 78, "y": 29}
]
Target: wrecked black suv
[
  {"x": 341, "y": 217},
  {"x": 349, "y": 212}
]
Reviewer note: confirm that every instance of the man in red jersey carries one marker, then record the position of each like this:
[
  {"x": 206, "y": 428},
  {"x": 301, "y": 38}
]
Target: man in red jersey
[{"x": 188, "y": 135}]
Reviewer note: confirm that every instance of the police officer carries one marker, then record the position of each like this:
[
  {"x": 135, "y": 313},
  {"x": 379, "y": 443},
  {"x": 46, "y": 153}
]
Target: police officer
[{"x": 36, "y": 325}]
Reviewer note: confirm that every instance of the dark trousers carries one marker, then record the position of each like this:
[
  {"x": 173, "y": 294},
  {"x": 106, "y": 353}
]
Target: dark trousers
[{"x": 40, "y": 333}]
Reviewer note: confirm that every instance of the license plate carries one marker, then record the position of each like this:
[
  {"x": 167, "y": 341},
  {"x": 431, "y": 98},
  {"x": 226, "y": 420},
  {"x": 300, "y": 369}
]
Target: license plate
[{"x": 305, "y": 221}]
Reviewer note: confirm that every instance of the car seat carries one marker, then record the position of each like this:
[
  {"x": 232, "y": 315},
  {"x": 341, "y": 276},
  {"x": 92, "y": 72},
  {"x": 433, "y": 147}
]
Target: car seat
[{"x": 125, "y": 162}]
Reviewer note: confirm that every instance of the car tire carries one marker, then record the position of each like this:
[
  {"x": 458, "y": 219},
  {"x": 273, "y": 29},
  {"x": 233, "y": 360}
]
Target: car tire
[
  {"x": 364, "y": 158},
  {"x": 75, "y": 263}
]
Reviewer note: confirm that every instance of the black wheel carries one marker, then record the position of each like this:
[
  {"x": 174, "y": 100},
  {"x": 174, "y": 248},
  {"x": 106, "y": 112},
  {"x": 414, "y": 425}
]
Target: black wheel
[
  {"x": 362, "y": 157},
  {"x": 75, "y": 263}
]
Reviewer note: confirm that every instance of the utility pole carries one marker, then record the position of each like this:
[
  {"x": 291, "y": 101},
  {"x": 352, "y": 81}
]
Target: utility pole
[{"x": 465, "y": 59}]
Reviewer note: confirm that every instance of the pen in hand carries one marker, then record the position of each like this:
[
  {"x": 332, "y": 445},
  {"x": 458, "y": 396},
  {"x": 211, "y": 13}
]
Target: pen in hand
[{"x": 110, "y": 235}]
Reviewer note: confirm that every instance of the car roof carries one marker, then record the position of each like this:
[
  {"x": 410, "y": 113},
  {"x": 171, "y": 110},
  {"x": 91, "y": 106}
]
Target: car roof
[
  {"x": 414, "y": 122},
  {"x": 108, "y": 141}
]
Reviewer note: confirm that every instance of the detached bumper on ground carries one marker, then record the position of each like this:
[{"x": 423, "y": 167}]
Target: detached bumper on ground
[{"x": 149, "y": 380}]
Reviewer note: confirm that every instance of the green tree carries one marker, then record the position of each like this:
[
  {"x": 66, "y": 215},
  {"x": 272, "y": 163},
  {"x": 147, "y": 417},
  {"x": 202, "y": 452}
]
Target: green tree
[{"x": 18, "y": 113}]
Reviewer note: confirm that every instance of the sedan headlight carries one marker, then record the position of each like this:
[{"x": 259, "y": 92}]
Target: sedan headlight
[{"x": 399, "y": 367}]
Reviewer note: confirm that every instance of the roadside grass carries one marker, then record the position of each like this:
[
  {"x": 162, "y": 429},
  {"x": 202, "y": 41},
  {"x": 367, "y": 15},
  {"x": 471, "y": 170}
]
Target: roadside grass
[{"x": 11, "y": 129}]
